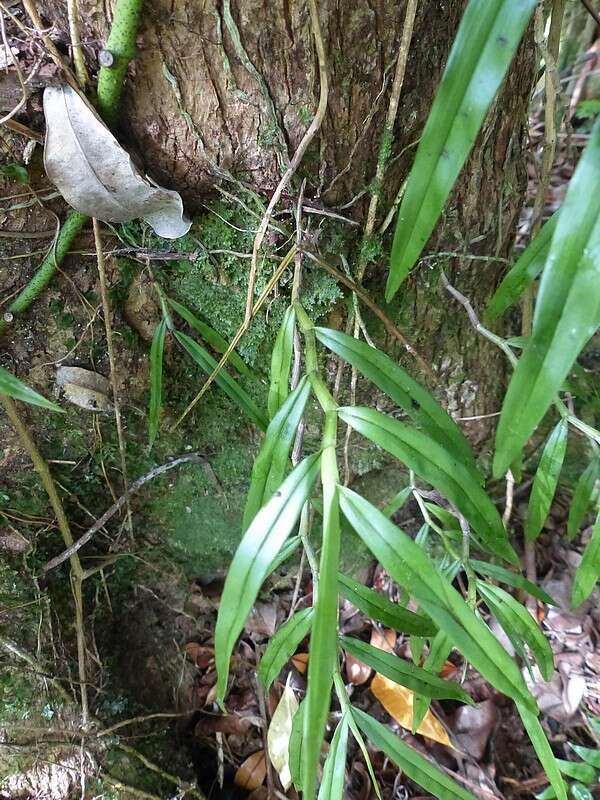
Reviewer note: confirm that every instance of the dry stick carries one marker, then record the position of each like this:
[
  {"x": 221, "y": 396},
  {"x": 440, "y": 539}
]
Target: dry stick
[
  {"x": 285, "y": 262},
  {"x": 549, "y": 51},
  {"x": 113, "y": 365},
  {"x": 390, "y": 326},
  {"x": 63, "y": 524},
  {"x": 101, "y": 521},
  {"x": 592, "y": 11},
  {"x": 298, "y": 155},
  {"x": 31, "y": 8},
  {"x": 80, "y": 68},
  {"x": 15, "y": 62}
]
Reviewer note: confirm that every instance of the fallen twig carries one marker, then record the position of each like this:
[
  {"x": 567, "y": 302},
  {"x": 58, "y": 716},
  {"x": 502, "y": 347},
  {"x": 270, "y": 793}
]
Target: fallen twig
[{"x": 101, "y": 522}]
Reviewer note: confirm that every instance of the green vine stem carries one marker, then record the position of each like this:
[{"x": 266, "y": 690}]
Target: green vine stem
[{"x": 121, "y": 44}]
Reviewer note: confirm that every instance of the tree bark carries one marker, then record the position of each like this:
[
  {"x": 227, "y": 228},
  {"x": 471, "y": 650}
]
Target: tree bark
[{"x": 233, "y": 84}]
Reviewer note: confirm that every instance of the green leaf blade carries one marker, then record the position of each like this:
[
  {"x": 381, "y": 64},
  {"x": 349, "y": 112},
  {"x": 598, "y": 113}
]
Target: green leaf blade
[
  {"x": 388, "y": 376},
  {"x": 441, "y": 469},
  {"x": 487, "y": 39},
  {"x": 582, "y": 497},
  {"x": 281, "y": 362},
  {"x": 223, "y": 380},
  {"x": 567, "y": 311},
  {"x": 283, "y": 646},
  {"x": 546, "y": 480},
  {"x": 502, "y": 575},
  {"x": 249, "y": 567},
  {"x": 334, "y": 772},
  {"x": 156, "y": 369},
  {"x": 404, "y": 672},
  {"x": 588, "y": 571},
  {"x": 13, "y": 387},
  {"x": 272, "y": 460},
  {"x": 378, "y": 607},
  {"x": 543, "y": 751},
  {"x": 526, "y": 269},
  {"x": 417, "y": 768}
]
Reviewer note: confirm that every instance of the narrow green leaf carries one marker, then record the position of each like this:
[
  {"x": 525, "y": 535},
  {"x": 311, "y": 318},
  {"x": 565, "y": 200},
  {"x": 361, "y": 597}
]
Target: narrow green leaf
[
  {"x": 524, "y": 272},
  {"x": 588, "y": 570},
  {"x": 576, "y": 770},
  {"x": 283, "y": 646},
  {"x": 567, "y": 312},
  {"x": 410, "y": 567},
  {"x": 281, "y": 362},
  {"x": 323, "y": 640},
  {"x": 591, "y": 755},
  {"x": 404, "y": 672},
  {"x": 517, "y": 621},
  {"x": 546, "y": 480},
  {"x": 412, "y": 398},
  {"x": 437, "y": 466},
  {"x": 249, "y": 567},
  {"x": 231, "y": 388},
  {"x": 439, "y": 650},
  {"x": 286, "y": 551},
  {"x": 582, "y": 497},
  {"x": 272, "y": 460},
  {"x": 210, "y": 336},
  {"x": 295, "y": 749},
  {"x": 413, "y": 764},
  {"x": 397, "y": 502},
  {"x": 15, "y": 388},
  {"x": 488, "y": 36},
  {"x": 512, "y": 579},
  {"x": 156, "y": 370},
  {"x": 580, "y": 792},
  {"x": 334, "y": 772},
  {"x": 543, "y": 750},
  {"x": 378, "y": 607}
]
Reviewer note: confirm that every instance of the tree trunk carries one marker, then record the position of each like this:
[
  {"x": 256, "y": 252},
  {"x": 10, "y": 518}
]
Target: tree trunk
[{"x": 231, "y": 85}]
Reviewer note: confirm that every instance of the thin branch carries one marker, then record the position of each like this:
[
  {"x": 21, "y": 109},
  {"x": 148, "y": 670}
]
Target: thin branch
[
  {"x": 113, "y": 365},
  {"x": 78, "y": 60},
  {"x": 298, "y": 155},
  {"x": 101, "y": 522},
  {"x": 591, "y": 11}
]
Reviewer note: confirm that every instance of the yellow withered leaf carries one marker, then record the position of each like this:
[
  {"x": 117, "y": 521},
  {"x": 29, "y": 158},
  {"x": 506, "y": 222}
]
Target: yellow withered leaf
[{"x": 398, "y": 702}]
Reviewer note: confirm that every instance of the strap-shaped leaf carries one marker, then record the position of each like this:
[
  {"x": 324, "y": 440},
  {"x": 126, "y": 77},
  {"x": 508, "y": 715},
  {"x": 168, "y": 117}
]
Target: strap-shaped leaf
[
  {"x": 410, "y": 567},
  {"x": 210, "y": 336},
  {"x": 488, "y": 36},
  {"x": 518, "y": 624},
  {"x": 295, "y": 747},
  {"x": 378, "y": 607},
  {"x": 543, "y": 751},
  {"x": 546, "y": 480},
  {"x": 413, "y": 764},
  {"x": 231, "y": 387},
  {"x": 323, "y": 640},
  {"x": 397, "y": 502},
  {"x": 13, "y": 387},
  {"x": 567, "y": 312},
  {"x": 156, "y": 373},
  {"x": 412, "y": 398},
  {"x": 526, "y": 269},
  {"x": 404, "y": 672},
  {"x": 582, "y": 496},
  {"x": 334, "y": 772},
  {"x": 575, "y": 769},
  {"x": 249, "y": 567},
  {"x": 591, "y": 755},
  {"x": 441, "y": 469},
  {"x": 272, "y": 459},
  {"x": 588, "y": 571},
  {"x": 440, "y": 649},
  {"x": 281, "y": 362},
  {"x": 283, "y": 646},
  {"x": 512, "y": 579}
]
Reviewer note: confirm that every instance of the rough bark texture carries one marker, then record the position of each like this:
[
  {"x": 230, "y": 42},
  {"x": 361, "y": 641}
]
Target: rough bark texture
[{"x": 233, "y": 84}]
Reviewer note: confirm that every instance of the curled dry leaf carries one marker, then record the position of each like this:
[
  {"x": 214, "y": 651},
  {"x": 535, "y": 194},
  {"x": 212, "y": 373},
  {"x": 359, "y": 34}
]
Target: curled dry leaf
[
  {"x": 95, "y": 175},
  {"x": 357, "y": 672},
  {"x": 300, "y": 662},
  {"x": 252, "y": 773},
  {"x": 398, "y": 702},
  {"x": 383, "y": 639},
  {"x": 278, "y": 736},
  {"x": 84, "y": 388}
]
